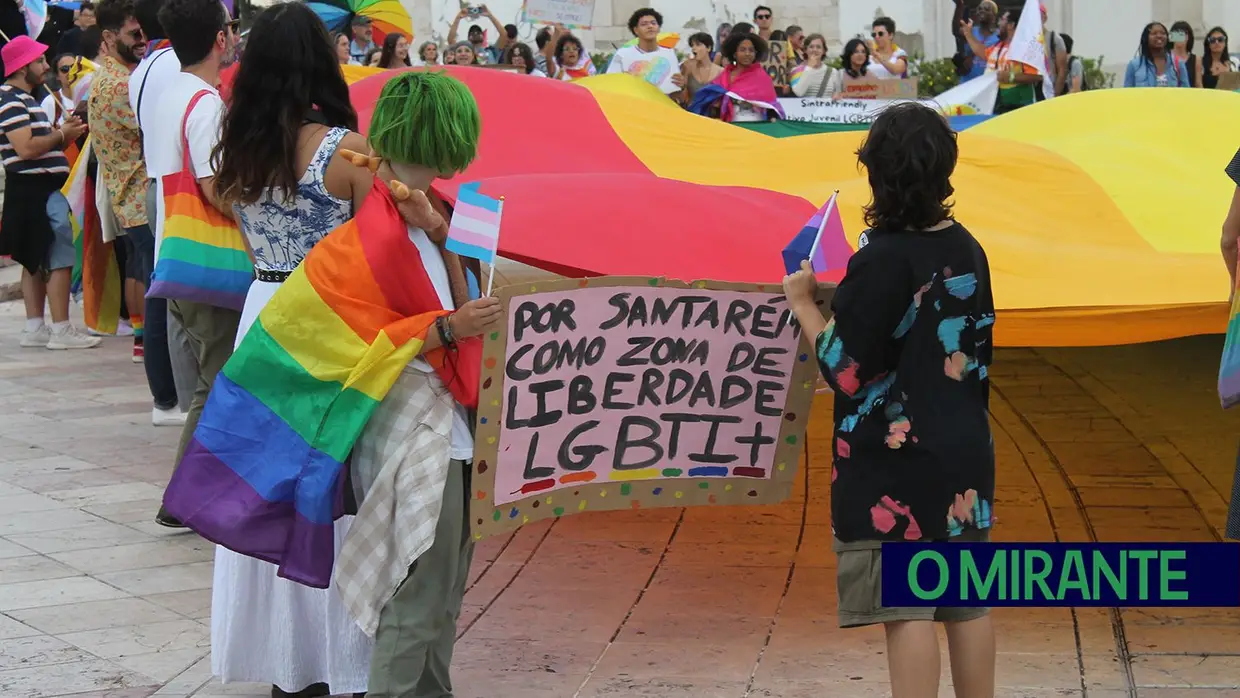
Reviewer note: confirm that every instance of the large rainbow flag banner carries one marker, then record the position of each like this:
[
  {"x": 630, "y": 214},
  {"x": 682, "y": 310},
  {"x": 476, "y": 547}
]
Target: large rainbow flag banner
[
  {"x": 95, "y": 271},
  {"x": 264, "y": 473}
]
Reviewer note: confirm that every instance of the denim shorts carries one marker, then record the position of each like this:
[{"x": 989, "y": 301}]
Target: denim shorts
[{"x": 62, "y": 254}]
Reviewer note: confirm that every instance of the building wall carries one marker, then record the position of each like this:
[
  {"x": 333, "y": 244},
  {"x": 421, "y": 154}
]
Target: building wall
[{"x": 1101, "y": 28}]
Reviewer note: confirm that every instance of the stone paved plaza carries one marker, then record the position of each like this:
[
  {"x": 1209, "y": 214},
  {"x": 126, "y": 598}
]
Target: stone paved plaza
[{"x": 1122, "y": 444}]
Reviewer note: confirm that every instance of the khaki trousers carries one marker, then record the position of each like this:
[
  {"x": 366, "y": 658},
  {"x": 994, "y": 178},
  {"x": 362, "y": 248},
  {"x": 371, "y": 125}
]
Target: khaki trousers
[{"x": 417, "y": 628}]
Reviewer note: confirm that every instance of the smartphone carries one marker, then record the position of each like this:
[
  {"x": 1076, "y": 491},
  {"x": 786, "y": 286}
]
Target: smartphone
[
  {"x": 1177, "y": 37},
  {"x": 475, "y": 11}
]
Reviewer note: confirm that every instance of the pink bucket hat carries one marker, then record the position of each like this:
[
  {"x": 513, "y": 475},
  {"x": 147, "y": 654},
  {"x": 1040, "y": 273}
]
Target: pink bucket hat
[{"x": 19, "y": 53}]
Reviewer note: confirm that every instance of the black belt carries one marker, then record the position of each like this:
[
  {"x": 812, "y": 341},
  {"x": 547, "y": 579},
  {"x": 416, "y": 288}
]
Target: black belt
[{"x": 271, "y": 275}]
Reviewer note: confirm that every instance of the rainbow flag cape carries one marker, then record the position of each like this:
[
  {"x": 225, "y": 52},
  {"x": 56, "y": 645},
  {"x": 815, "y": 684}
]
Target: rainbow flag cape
[
  {"x": 264, "y": 474},
  {"x": 1229, "y": 369},
  {"x": 95, "y": 272}
]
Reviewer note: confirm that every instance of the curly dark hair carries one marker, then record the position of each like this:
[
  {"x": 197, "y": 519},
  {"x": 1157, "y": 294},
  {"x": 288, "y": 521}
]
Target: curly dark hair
[
  {"x": 909, "y": 156},
  {"x": 741, "y": 28},
  {"x": 192, "y": 26},
  {"x": 527, "y": 55},
  {"x": 734, "y": 42},
  {"x": 564, "y": 42},
  {"x": 644, "y": 12},
  {"x": 289, "y": 69}
]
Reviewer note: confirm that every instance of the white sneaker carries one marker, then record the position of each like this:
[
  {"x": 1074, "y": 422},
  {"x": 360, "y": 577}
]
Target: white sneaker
[
  {"x": 37, "y": 339},
  {"x": 168, "y": 418},
  {"x": 124, "y": 329},
  {"x": 72, "y": 338}
]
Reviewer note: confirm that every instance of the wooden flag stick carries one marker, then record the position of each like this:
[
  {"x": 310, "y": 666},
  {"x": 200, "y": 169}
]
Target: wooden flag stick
[{"x": 495, "y": 249}]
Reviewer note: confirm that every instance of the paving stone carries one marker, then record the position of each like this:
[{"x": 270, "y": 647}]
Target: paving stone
[{"x": 659, "y": 602}]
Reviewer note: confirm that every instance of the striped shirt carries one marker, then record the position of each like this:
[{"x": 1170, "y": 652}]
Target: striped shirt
[{"x": 19, "y": 110}]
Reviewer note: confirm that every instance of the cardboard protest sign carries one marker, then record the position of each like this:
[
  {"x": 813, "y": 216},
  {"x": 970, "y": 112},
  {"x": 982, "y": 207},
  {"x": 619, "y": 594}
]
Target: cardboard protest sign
[
  {"x": 574, "y": 14},
  {"x": 633, "y": 392},
  {"x": 775, "y": 63},
  {"x": 905, "y": 88}
]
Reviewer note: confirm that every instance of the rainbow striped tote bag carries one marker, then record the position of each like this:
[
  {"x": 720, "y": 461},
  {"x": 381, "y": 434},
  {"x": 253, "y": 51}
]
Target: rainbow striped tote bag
[{"x": 202, "y": 257}]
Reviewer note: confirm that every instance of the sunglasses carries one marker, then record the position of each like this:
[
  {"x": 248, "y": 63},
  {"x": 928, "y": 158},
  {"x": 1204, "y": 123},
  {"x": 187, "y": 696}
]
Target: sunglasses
[
  {"x": 64, "y": 69},
  {"x": 234, "y": 25},
  {"x": 1217, "y": 40},
  {"x": 762, "y": 17},
  {"x": 876, "y": 35}
]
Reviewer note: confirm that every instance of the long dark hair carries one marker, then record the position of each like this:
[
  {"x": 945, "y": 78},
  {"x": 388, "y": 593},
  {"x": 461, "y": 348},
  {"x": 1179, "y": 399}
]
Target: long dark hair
[
  {"x": 849, "y": 49},
  {"x": 909, "y": 156},
  {"x": 1144, "y": 49},
  {"x": 388, "y": 55},
  {"x": 289, "y": 70},
  {"x": 1207, "y": 59},
  {"x": 734, "y": 42}
]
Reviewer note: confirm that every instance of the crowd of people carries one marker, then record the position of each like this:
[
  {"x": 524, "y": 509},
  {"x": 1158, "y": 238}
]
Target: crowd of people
[{"x": 760, "y": 63}]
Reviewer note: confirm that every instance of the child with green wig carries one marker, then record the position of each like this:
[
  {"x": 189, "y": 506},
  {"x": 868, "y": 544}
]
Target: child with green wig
[{"x": 403, "y": 572}]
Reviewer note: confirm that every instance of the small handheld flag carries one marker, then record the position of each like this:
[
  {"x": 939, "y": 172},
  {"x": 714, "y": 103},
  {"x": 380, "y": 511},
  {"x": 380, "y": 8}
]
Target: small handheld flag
[
  {"x": 474, "y": 230},
  {"x": 821, "y": 241}
]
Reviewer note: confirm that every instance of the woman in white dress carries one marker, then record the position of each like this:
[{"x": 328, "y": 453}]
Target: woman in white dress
[{"x": 275, "y": 164}]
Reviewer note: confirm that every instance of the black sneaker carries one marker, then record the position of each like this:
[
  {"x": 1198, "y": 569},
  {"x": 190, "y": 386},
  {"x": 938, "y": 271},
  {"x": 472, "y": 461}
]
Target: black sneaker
[{"x": 163, "y": 518}]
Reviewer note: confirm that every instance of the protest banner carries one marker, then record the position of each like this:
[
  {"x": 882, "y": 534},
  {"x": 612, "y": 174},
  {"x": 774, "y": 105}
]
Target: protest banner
[
  {"x": 632, "y": 392},
  {"x": 880, "y": 89},
  {"x": 574, "y": 14},
  {"x": 972, "y": 98}
]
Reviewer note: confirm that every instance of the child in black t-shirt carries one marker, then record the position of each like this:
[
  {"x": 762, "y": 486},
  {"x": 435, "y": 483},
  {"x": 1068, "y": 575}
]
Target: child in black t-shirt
[{"x": 906, "y": 353}]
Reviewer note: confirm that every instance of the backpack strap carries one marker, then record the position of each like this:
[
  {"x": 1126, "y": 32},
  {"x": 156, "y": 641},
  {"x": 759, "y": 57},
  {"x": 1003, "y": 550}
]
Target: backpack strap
[{"x": 137, "y": 112}]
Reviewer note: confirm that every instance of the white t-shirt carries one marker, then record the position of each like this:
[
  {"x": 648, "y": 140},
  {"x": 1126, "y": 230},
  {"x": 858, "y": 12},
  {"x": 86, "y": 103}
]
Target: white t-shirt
[
  {"x": 162, "y": 133},
  {"x": 655, "y": 67},
  {"x": 49, "y": 108},
  {"x": 432, "y": 261},
  {"x": 155, "y": 71},
  {"x": 745, "y": 112},
  {"x": 879, "y": 71}
]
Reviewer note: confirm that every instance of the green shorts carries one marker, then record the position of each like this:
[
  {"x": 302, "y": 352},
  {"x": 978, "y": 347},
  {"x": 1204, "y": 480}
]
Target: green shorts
[{"x": 859, "y": 586}]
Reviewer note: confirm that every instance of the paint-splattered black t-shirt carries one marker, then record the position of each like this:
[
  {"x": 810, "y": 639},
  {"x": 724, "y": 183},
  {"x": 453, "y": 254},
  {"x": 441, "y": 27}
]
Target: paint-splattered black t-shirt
[{"x": 906, "y": 354}]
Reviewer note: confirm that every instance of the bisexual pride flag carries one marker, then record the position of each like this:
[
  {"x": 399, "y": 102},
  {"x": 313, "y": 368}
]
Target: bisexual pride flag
[
  {"x": 474, "y": 231},
  {"x": 821, "y": 241}
]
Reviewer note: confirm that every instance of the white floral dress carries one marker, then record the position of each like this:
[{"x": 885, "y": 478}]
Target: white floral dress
[{"x": 264, "y": 628}]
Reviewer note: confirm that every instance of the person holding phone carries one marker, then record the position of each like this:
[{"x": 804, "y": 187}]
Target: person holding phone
[
  {"x": 887, "y": 61},
  {"x": 477, "y": 36},
  {"x": 1182, "y": 44}
]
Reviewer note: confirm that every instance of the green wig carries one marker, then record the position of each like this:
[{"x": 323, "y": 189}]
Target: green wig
[{"x": 426, "y": 118}]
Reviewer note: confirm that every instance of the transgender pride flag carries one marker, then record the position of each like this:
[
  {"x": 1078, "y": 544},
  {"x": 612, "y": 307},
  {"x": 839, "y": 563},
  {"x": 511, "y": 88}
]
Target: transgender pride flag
[{"x": 474, "y": 231}]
